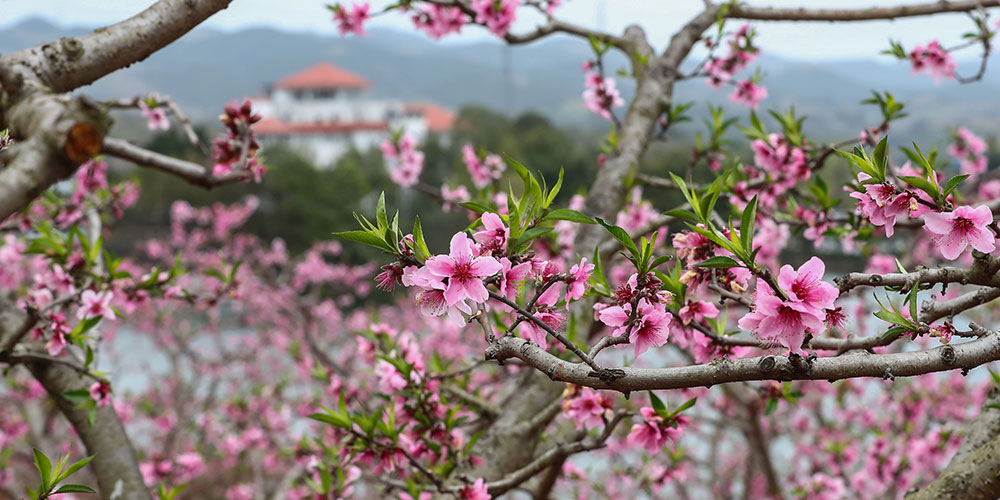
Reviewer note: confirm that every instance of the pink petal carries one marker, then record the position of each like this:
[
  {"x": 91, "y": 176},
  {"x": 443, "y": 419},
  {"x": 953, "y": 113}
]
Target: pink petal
[
  {"x": 485, "y": 266},
  {"x": 938, "y": 222}
]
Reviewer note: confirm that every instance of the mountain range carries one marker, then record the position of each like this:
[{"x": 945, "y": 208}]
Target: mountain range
[{"x": 206, "y": 68}]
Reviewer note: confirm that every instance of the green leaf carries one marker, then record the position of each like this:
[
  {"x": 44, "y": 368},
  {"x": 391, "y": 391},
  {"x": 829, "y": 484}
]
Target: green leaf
[
  {"x": 366, "y": 237},
  {"x": 74, "y": 488},
  {"x": 380, "y": 216},
  {"x": 921, "y": 184},
  {"x": 600, "y": 280},
  {"x": 475, "y": 207},
  {"x": 747, "y": 225},
  {"x": 418, "y": 241},
  {"x": 77, "y": 396},
  {"x": 570, "y": 215},
  {"x": 772, "y": 404},
  {"x": 687, "y": 404},
  {"x": 657, "y": 262},
  {"x": 719, "y": 261},
  {"x": 622, "y": 236},
  {"x": 682, "y": 214},
  {"x": 44, "y": 466},
  {"x": 72, "y": 469},
  {"x": 555, "y": 190},
  {"x": 953, "y": 183},
  {"x": 882, "y": 156},
  {"x": 332, "y": 419},
  {"x": 658, "y": 406}
]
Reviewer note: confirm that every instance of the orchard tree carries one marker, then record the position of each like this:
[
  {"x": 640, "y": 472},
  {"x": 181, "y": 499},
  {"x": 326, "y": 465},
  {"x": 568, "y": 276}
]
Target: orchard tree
[{"x": 590, "y": 346}]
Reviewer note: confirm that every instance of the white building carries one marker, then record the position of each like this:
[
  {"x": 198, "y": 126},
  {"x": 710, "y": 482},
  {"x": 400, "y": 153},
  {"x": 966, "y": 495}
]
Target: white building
[{"x": 323, "y": 111}]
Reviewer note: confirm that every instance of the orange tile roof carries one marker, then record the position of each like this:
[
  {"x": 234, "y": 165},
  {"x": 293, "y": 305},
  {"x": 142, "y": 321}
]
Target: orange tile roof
[
  {"x": 322, "y": 76},
  {"x": 269, "y": 126},
  {"x": 438, "y": 119}
]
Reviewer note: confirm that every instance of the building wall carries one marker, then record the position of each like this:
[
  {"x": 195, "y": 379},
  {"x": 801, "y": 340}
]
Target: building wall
[{"x": 340, "y": 106}]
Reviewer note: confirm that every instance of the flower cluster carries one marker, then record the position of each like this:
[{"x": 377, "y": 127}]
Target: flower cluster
[
  {"x": 406, "y": 162},
  {"x": 351, "y": 20},
  {"x": 237, "y": 148},
  {"x": 600, "y": 94},
  {"x": 882, "y": 204},
  {"x": 933, "y": 60},
  {"x": 482, "y": 170},
  {"x": 655, "y": 431},
  {"x": 741, "y": 53},
  {"x": 639, "y": 312},
  {"x": 748, "y": 93},
  {"x": 438, "y": 20},
  {"x": 970, "y": 150},
  {"x": 496, "y": 15},
  {"x": 786, "y": 321}
]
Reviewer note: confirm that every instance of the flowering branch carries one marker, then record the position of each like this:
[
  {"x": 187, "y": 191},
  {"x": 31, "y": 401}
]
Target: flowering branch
[{"x": 965, "y": 356}]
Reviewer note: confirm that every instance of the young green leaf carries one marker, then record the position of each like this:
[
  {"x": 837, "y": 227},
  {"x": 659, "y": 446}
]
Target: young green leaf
[
  {"x": 622, "y": 236},
  {"x": 570, "y": 215},
  {"x": 44, "y": 466},
  {"x": 719, "y": 261},
  {"x": 74, "y": 488}
]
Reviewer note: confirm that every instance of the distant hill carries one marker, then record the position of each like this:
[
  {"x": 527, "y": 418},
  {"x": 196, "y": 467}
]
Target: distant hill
[{"x": 207, "y": 67}]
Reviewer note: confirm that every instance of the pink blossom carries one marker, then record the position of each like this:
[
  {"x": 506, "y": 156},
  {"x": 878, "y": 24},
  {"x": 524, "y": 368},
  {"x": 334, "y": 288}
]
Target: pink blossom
[
  {"x": 965, "y": 226},
  {"x": 749, "y": 93},
  {"x": 57, "y": 344},
  {"x": 880, "y": 204},
  {"x": 100, "y": 392},
  {"x": 579, "y": 274},
  {"x": 511, "y": 276},
  {"x": 601, "y": 95},
  {"x": 547, "y": 315},
  {"x": 453, "y": 197},
  {"x": 476, "y": 491},
  {"x": 969, "y": 150},
  {"x": 651, "y": 327},
  {"x": 404, "y": 160},
  {"x": 784, "y": 322},
  {"x": 588, "y": 408},
  {"x": 465, "y": 271},
  {"x": 95, "y": 305},
  {"x": 496, "y": 15},
  {"x": 881, "y": 264},
  {"x": 493, "y": 236},
  {"x": 654, "y": 433},
  {"x": 353, "y": 20},
  {"x": 389, "y": 378},
  {"x": 933, "y": 60},
  {"x": 156, "y": 116},
  {"x": 807, "y": 286},
  {"x": 438, "y": 20},
  {"x": 697, "y": 311}
]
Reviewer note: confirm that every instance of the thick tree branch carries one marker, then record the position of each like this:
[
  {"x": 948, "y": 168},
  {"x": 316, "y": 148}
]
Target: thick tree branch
[
  {"x": 743, "y": 11},
  {"x": 55, "y": 134},
  {"x": 973, "y": 471},
  {"x": 964, "y": 356},
  {"x": 69, "y": 63}
]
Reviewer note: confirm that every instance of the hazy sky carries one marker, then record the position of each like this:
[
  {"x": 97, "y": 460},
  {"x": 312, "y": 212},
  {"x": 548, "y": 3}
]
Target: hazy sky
[{"x": 660, "y": 18}]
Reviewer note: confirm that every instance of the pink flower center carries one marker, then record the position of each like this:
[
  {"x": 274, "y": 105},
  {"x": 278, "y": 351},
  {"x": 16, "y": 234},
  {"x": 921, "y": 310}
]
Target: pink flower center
[
  {"x": 962, "y": 225},
  {"x": 463, "y": 271}
]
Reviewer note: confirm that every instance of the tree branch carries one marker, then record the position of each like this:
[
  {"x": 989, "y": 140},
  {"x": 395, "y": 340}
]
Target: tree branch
[
  {"x": 743, "y": 11},
  {"x": 191, "y": 172},
  {"x": 70, "y": 63},
  {"x": 966, "y": 356}
]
